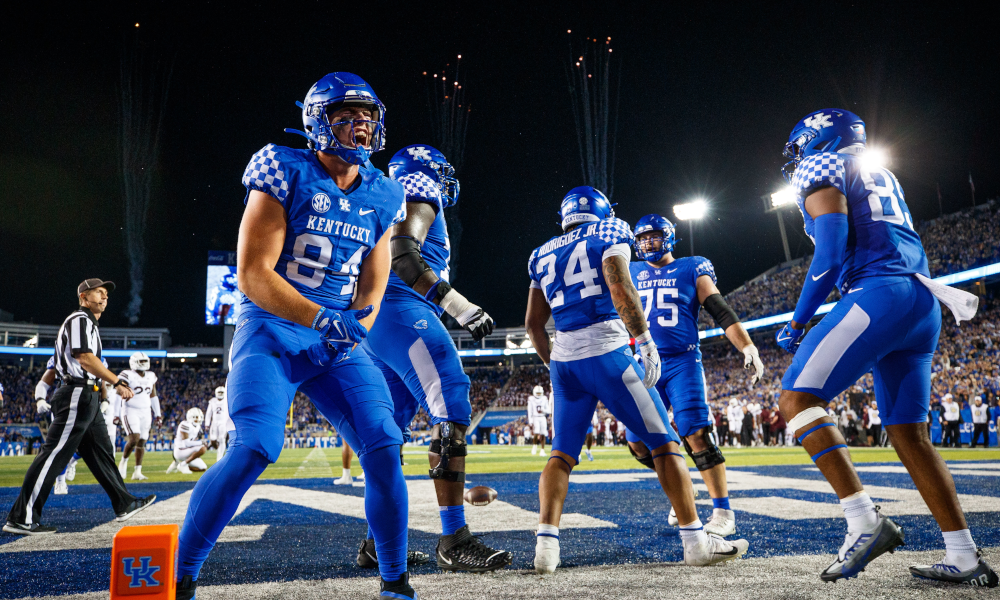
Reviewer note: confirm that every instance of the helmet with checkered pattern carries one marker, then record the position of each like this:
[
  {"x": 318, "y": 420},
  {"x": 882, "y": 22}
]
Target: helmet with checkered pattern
[
  {"x": 329, "y": 94},
  {"x": 827, "y": 130},
  {"x": 421, "y": 158},
  {"x": 584, "y": 204},
  {"x": 648, "y": 224}
]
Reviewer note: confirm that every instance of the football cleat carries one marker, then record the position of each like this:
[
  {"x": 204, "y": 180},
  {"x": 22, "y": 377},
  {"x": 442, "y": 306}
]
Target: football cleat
[
  {"x": 712, "y": 550},
  {"x": 672, "y": 518},
  {"x": 172, "y": 467},
  {"x": 722, "y": 523},
  {"x": 981, "y": 576},
  {"x": 71, "y": 470},
  {"x": 137, "y": 505},
  {"x": 397, "y": 590},
  {"x": 182, "y": 467},
  {"x": 546, "y": 554},
  {"x": 60, "y": 487},
  {"x": 859, "y": 549},
  {"x": 345, "y": 480},
  {"x": 368, "y": 558},
  {"x": 33, "y": 529},
  {"x": 138, "y": 476},
  {"x": 186, "y": 588},
  {"x": 590, "y": 456},
  {"x": 123, "y": 467},
  {"x": 462, "y": 551}
]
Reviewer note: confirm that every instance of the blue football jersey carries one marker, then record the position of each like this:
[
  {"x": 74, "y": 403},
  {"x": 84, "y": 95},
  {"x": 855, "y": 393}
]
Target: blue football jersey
[
  {"x": 329, "y": 231},
  {"x": 670, "y": 300},
  {"x": 436, "y": 249},
  {"x": 880, "y": 239},
  {"x": 568, "y": 270}
]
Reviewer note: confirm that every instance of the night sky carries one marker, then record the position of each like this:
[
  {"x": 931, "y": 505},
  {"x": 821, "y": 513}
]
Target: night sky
[{"x": 707, "y": 101}]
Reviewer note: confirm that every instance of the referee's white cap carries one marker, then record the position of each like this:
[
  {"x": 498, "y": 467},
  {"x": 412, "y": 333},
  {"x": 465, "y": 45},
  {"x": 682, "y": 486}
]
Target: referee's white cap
[{"x": 89, "y": 284}]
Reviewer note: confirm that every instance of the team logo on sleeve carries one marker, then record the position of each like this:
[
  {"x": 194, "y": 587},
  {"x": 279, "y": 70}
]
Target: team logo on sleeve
[
  {"x": 643, "y": 275},
  {"x": 321, "y": 203},
  {"x": 345, "y": 205}
]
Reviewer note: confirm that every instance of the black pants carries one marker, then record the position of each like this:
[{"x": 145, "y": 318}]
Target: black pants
[
  {"x": 77, "y": 426},
  {"x": 952, "y": 436},
  {"x": 981, "y": 428},
  {"x": 875, "y": 431}
]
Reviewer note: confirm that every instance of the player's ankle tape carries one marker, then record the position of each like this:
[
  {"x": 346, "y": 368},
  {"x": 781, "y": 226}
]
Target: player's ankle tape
[
  {"x": 656, "y": 456},
  {"x": 820, "y": 426},
  {"x": 830, "y": 449}
]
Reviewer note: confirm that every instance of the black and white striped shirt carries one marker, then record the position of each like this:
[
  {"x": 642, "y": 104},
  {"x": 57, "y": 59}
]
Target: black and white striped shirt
[{"x": 77, "y": 334}]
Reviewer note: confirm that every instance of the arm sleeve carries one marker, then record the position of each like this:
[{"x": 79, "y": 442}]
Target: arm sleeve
[
  {"x": 623, "y": 250},
  {"x": 831, "y": 240},
  {"x": 155, "y": 401},
  {"x": 41, "y": 390}
]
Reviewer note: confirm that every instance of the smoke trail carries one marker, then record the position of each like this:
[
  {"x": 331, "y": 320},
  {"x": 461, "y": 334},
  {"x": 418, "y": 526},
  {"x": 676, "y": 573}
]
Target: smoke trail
[
  {"x": 145, "y": 79},
  {"x": 588, "y": 75},
  {"x": 449, "y": 125}
]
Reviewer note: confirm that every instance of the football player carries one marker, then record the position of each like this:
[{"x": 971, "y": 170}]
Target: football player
[
  {"x": 537, "y": 409},
  {"x": 345, "y": 474},
  {"x": 887, "y": 322},
  {"x": 189, "y": 445},
  {"x": 135, "y": 412},
  {"x": 673, "y": 292},
  {"x": 417, "y": 355},
  {"x": 216, "y": 418},
  {"x": 595, "y": 312},
  {"x": 313, "y": 259}
]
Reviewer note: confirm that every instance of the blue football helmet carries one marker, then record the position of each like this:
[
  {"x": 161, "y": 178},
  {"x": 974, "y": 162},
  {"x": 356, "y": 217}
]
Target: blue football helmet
[
  {"x": 827, "y": 130},
  {"x": 430, "y": 162},
  {"x": 329, "y": 94},
  {"x": 583, "y": 204},
  {"x": 666, "y": 241}
]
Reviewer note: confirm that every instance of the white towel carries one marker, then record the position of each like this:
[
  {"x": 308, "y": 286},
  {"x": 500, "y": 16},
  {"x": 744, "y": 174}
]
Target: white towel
[{"x": 962, "y": 304}]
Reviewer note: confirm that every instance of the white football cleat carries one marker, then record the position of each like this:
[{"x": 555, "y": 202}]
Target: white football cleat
[
  {"x": 138, "y": 476},
  {"x": 722, "y": 523},
  {"x": 672, "y": 518},
  {"x": 344, "y": 480},
  {"x": 590, "y": 456},
  {"x": 71, "y": 470},
  {"x": 712, "y": 550},
  {"x": 123, "y": 467},
  {"x": 546, "y": 554},
  {"x": 362, "y": 476},
  {"x": 172, "y": 467},
  {"x": 358, "y": 483},
  {"x": 534, "y": 450},
  {"x": 60, "y": 487},
  {"x": 182, "y": 467}
]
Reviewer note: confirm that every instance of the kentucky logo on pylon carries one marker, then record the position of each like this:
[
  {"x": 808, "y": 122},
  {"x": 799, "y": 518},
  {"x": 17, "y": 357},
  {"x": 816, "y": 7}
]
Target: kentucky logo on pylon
[{"x": 141, "y": 575}]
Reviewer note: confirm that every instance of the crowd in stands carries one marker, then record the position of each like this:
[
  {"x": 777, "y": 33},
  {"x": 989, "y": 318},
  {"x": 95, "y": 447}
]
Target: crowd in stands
[{"x": 522, "y": 381}]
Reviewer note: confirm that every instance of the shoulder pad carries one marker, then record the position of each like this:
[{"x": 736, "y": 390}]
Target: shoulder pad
[
  {"x": 615, "y": 231},
  {"x": 268, "y": 173},
  {"x": 703, "y": 266},
  {"x": 819, "y": 170},
  {"x": 124, "y": 375}
]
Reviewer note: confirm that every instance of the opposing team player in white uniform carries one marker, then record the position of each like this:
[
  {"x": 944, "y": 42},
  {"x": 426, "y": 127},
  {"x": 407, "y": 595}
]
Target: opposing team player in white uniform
[
  {"x": 216, "y": 421},
  {"x": 135, "y": 412},
  {"x": 887, "y": 323},
  {"x": 189, "y": 445},
  {"x": 538, "y": 404},
  {"x": 581, "y": 279}
]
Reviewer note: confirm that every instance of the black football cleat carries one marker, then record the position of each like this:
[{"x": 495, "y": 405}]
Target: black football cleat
[
  {"x": 33, "y": 529},
  {"x": 137, "y": 505},
  {"x": 981, "y": 576},
  {"x": 186, "y": 588},
  {"x": 368, "y": 558},
  {"x": 397, "y": 590},
  {"x": 462, "y": 551}
]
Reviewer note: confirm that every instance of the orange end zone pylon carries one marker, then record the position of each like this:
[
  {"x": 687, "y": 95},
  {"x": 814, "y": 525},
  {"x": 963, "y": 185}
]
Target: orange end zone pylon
[{"x": 142, "y": 562}]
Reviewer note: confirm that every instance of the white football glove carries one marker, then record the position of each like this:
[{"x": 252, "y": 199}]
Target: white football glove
[
  {"x": 43, "y": 406},
  {"x": 647, "y": 355},
  {"x": 751, "y": 358}
]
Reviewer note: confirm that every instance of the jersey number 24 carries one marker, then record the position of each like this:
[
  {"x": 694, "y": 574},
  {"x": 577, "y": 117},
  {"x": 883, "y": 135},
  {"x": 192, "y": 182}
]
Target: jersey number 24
[{"x": 578, "y": 270}]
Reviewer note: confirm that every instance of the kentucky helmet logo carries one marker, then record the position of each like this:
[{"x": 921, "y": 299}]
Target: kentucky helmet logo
[
  {"x": 321, "y": 203},
  {"x": 818, "y": 120},
  {"x": 141, "y": 575},
  {"x": 419, "y": 153}
]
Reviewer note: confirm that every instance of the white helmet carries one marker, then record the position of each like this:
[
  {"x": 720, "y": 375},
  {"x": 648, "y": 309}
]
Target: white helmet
[
  {"x": 195, "y": 416},
  {"x": 220, "y": 392},
  {"x": 138, "y": 362},
  {"x": 733, "y": 402},
  {"x": 538, "y": 391}
]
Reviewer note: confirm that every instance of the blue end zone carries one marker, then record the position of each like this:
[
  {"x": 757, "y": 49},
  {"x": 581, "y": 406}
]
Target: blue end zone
[{"x": 304, "y": 543}]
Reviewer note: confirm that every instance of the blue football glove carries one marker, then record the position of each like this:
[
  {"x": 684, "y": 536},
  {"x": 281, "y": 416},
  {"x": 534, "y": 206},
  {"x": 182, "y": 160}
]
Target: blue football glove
[
  {"x": 789, "y": 339},
  {"x": 328, "y": 353},
  {"x": 341, "y": 326}
]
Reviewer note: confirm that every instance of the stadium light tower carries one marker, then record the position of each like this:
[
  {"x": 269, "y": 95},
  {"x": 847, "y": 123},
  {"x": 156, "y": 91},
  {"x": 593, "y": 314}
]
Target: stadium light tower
[
  {"x": 775, "y": 203},
  {"x": 691, "y": 212}
]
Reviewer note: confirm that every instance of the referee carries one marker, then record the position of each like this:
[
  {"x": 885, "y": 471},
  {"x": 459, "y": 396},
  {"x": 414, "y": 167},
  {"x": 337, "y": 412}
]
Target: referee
[{"x": 77, "y": 423}]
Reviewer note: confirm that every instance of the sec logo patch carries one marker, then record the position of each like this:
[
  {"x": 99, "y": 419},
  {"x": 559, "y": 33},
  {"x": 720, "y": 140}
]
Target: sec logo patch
[
  {"x": 643, "y": 275},
  {"x": 321, "y": 203}
]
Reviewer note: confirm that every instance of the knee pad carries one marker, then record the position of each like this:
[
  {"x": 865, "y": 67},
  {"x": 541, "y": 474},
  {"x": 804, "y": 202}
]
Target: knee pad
[
  {"x": 646, "y": 460},
  {"x": 448, "y": 441},
  {"x": 710, "y": 456}
]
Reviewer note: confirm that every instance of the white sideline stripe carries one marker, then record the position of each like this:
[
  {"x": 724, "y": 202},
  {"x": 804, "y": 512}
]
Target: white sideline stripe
[
  {"x": 643, "y": 401},
  {"x": 74, "y": 404},
  {"x": 429, "y": 378},
  {"x": 829, "y": 352}
]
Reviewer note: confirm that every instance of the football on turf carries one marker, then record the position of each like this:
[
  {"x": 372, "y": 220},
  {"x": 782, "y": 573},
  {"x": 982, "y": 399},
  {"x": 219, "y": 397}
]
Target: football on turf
[{"x": 480, "y": 495}]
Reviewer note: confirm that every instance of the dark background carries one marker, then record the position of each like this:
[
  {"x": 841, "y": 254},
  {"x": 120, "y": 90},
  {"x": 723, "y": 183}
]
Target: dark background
[{"x": 707, "y": 101}]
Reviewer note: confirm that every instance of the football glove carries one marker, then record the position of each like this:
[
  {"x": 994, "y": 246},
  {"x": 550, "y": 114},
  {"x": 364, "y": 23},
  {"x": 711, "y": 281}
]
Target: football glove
[
  {"x": 327, "y": 353},
  {"x": 478, "y": 323},
  {"x": 751, "y": 359},
  {"x": 43, "y": 406},
  {"x": 341, "y": 326},
  {"x": 789, "y": 339},
  {"x": 649, "y": 358}
]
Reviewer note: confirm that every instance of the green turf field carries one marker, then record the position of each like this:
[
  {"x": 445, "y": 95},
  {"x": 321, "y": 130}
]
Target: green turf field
[{"x": 482, "y": 459}]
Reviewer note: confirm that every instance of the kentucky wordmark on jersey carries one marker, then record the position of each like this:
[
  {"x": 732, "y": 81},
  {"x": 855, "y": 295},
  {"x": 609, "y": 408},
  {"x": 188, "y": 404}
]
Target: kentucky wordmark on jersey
[
  {"x": 330, "y": 231},
  {"x": 669, "y": 297}
]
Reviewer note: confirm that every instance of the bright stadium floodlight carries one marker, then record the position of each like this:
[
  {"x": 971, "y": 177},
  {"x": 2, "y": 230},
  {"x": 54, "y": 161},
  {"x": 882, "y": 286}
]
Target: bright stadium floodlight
[
  {"x": 691, "y": 212},
  {"x": 783, "y": 197},
  {"x": 777, "y": 201},
  {"x": 874, "y": 158}
]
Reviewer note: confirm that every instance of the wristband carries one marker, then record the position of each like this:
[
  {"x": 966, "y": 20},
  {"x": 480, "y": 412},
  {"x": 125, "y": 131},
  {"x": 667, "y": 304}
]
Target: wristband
[
  {"x": 121, "y": 382},
  {"x": 319, "y": 314},
  {"x": 643, "y": 338}
]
